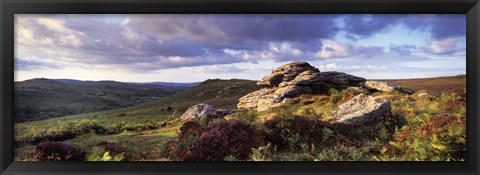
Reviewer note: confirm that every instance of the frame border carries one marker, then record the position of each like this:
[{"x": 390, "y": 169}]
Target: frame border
[{"x": 10, "y": 7}]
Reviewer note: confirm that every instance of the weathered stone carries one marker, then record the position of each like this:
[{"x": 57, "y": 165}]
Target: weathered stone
[
  {"x": 336, "y": 79},
  {"x": 380, "y": 86},
  {"x": 358, "y": 89},
  {"x": 340, "y": 79},
  {"x": 252, "y": 100},
  {"x": 224, "y": 112},
  {"x": 406, "y": 90},
  {"x": 285, "y": 73},
  {"x": 291, "y": 91},
  {"x": 198, "y": 111},
  {"x": 362, "y": 109}
]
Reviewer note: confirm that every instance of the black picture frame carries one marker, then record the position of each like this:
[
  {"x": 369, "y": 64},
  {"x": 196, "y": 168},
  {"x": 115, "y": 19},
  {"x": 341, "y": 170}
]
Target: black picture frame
[{"x": 471, "y": 8}]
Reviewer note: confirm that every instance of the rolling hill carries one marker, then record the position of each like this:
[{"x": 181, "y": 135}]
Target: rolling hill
[{"x": 42, "y": 98}]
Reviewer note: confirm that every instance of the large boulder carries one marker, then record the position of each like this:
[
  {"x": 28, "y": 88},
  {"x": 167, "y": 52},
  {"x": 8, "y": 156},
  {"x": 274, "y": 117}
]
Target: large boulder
[
  {"x": 286, "y": 72},
  {"x": 198, "y": 111},
  {"x": 380, "y": 86},
  {"x": 361, "y": 110},
  {"x": 260, "y": 99}
]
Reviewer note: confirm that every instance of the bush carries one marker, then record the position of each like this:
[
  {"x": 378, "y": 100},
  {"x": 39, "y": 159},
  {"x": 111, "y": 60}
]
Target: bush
[
  {"x": 190, "y": 128},
  {"x": 54, "y": 151},
  {"x": 223, "y": 138},
  {"x": 439, "y": 138},
  {"x": 108, "y": 151},
  {"x": 291, "y": 132}
]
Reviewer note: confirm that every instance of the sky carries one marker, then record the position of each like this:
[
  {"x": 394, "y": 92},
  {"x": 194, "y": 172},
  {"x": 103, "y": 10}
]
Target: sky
[{"x": 193, "y": 47}]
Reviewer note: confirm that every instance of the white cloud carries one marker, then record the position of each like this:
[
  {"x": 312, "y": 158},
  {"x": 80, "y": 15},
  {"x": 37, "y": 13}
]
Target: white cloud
[
  {"x": 440, "y": 47},
  {"x": 217, "y": 68},
  {"x": 333, "y": 49},
  {"x": 335, "y": 67}
]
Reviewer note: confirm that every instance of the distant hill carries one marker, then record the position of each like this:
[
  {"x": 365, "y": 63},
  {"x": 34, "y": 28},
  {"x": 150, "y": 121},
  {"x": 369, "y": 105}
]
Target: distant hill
[
  {"x": 41, "y": 98},
  {"x": 217, "y": 92},
  {"x": 171, "y": 84},
  {"x": 435, "y": 84}
]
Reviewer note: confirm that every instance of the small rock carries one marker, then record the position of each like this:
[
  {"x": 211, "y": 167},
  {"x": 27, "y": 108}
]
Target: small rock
[
  {"x": 406, "y": 91},
  {"x": 198, "y": 111},
  {"x": 422, "y": 95},
  {"x": 380, "y": 86},
  {"x": 357, "y": 89},
  {"x": 362, "y": 109},
  {"x": 288, "y": 100},
  {"x": 224, "y": 112}
]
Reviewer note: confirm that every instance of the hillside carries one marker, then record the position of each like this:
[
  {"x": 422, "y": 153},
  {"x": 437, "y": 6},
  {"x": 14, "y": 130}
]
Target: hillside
[
  {"x": 42, "y": 98},
  {"x": 299, "y": 129},
  {"x": 144, "y": 118}
]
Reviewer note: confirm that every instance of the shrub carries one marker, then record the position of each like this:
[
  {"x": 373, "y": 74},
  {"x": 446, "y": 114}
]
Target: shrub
[
  {"x": 439, "y": 138},
  {"x": 54, "y": 151},
  {"x": 290, "y": 132},
  {"x": 190, "y": 128},
  {"x": 223, "y": 138},
  {"x": 108, "y": 151}
]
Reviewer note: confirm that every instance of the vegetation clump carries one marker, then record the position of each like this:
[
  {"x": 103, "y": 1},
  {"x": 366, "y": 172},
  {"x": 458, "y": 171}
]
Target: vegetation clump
[
  {"x": 54, "y": 151},
  {"x": 108, "y": 151},
  {"x": 218, "y": 139}
]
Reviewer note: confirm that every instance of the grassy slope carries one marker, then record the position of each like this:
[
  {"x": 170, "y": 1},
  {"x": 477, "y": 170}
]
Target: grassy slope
[{"x": 150, "y": 113}]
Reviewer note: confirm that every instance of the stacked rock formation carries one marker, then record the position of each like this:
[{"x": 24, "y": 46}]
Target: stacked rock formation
[{"x": 293, "y": 79}]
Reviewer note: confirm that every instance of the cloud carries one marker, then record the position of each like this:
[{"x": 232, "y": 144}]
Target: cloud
[
  {"x": 440, "y": 26},
  {"x": 238, "y": 32},
  {"x": 351, "y": 68},
  {"x": 333, "y": 49},
  {"x": 361, "y": 26},
  {"x": 442, "y": 47},
  {"x": 25, "y": 64},
  {"x": 226, "y": 68},
  {"x": 148, "y": 43},
  {"x": 402, "y": 49}
]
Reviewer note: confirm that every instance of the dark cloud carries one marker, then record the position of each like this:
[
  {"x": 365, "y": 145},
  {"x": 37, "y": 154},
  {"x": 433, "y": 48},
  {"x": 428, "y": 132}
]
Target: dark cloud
[
  {"x": 367, "y": 25},
  {"x": 238, "y": 32},
  {"x": 440, "y": 26}
]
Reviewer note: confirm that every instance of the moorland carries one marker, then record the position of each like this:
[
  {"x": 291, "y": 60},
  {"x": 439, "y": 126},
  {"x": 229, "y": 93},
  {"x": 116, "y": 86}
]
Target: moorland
[{"x": 296, "y": 113}]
